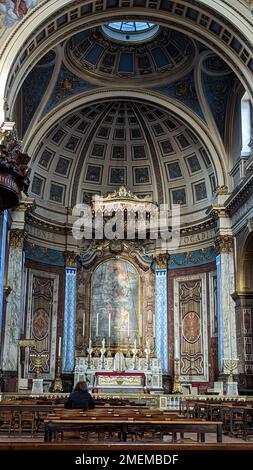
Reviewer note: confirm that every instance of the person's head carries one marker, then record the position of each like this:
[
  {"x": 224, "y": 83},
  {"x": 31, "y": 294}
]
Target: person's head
[{"x": 80, "y": 386}]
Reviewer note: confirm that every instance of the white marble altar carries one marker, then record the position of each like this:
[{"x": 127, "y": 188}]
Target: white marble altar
[{"x": 88, "y": 368}]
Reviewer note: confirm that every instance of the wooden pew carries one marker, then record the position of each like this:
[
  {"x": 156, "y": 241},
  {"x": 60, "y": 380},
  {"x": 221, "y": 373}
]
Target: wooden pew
[{"x": 124, "y": 426}]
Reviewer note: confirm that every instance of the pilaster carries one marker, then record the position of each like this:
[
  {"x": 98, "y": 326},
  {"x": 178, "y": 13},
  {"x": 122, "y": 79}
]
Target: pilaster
[
  {"x": 68, "y": 362},
  {"x": 161, "y": 310}
]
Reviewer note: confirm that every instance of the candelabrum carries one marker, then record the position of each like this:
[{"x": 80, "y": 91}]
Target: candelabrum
[
  {"x": 57, "y": 385},
  {"x": 89, "y": 350},
  {"x": 230, "y": 364},
  {"x": 177, "y": 387},
  {"x": 38, "y": 361},
  {"x": 102, "y": 352},
  {"x": 109, "y": 354},
  {"x": 128, "y": 353}
]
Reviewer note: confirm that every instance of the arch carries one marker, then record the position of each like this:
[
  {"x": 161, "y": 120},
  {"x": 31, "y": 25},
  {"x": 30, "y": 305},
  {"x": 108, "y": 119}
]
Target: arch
[
  {"x": 245, "y": 264},
  {"x": 173, "y": 106},
  {"x": 240, "y": 63}
]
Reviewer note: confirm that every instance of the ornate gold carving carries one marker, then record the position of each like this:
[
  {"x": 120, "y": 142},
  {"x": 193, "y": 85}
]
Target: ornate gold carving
[
  {"x": 27, "y": 343},
  {"x": 105, "y": 249},
  {"x": 218, "y": 212},
  {"x": 221, "y": 190},
  {"x": 13, "y": 161},
  {"x": 67, "y": 84},
  {"x": 70, "y": 259},
  {"x": 17, "y": 238},
  {"x": 190, "y": 258},
  {"x": 124, "y": 193},
  {"x": 113, "y": 380},
  {"x": 162, "y": 261},
  {"x": 116, "y": 246},
  {"x": 225, "y": 243},
  {"x": 38, "y": 362}
]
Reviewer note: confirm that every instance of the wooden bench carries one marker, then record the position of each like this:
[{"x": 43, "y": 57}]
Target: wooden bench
[{"x": 124, "y": 427}]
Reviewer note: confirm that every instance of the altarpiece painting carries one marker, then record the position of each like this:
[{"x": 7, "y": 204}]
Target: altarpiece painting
[{"x": 115, "y": 302}]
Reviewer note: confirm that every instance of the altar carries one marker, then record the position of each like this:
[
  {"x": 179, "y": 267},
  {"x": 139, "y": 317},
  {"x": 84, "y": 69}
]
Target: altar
[{"x": 139, "y": 374}]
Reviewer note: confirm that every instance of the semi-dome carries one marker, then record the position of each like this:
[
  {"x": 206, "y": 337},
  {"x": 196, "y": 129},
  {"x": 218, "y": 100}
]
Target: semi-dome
[{"x": 103, "y": 146}]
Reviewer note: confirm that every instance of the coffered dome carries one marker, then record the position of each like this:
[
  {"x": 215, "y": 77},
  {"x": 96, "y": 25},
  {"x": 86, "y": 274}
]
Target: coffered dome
[
  {"x": 107, "y": 53},
  {"x": 101, "y": 147}
]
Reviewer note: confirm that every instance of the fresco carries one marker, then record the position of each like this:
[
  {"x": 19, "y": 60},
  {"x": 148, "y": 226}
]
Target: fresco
[
  {"x": 115, "y": 302},
  {"x": 12, "y": 11}
]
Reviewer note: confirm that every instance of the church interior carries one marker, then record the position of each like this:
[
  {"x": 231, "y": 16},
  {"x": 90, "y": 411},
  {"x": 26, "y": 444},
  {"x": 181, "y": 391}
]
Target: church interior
[{"x": 126, "y": 221}]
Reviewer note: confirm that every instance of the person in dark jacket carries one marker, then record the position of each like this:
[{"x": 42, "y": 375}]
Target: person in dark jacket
[{"x": 80, "y": 398}]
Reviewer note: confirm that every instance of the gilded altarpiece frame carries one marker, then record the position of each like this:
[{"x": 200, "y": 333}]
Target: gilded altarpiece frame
[
  {"x": 145, "y": 309},
  {"x": 191, "y": 327},
  {"x": 41, "y": 321}
]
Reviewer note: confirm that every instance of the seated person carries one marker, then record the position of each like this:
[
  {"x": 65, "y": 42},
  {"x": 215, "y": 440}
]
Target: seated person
[{"x": 80, "y": 398}]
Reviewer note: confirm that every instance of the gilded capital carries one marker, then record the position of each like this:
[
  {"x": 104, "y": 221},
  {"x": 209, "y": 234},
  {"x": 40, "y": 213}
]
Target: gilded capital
[
  {"x": 162, "y": 261},
  {"x": 221, "y": 191},
  {"x": 17, "y": 238},
  {"x": 225, "y": 243},
  {"x": 70, "y": 259}
]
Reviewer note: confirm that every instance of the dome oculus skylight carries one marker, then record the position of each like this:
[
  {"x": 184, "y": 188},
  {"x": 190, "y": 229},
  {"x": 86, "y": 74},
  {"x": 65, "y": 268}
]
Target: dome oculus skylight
[{"x": 130, "y": 31}]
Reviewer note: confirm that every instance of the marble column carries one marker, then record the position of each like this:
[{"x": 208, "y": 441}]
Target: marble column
[
  {"x": 226, "y": 308},
  {"x": 15, "y": 304},
  {"x": 161, "y": 311},
  {"x": 68, "y": 355},
  {"x": 2, "y": 263}
]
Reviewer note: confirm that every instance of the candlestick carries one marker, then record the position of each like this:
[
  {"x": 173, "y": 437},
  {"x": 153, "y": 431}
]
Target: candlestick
[
  {"x": 59, "y": 347},
  {"x": 97, "y": 325},
  {"x": 128, "y": 326},
  {"x": 109, "y": 327},
  {"x": 177, "y": 387}
]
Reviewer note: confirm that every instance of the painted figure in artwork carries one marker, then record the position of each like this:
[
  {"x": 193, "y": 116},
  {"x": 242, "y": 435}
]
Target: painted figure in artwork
[
  {"x": 11, "y": 11},
  {"x": 20, "y": 8},
  {"x": 115, "y": 301}
]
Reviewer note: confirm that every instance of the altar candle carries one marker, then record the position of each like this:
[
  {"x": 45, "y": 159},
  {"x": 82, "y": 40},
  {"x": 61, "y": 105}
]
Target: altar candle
[
  {"x": 128, "y": 326},
  {"x": 83, "y": 323},
  {"x": 97, "y": 326},
  {"x": 59, "y": 347},
  {"x": 109, "y": 327}
]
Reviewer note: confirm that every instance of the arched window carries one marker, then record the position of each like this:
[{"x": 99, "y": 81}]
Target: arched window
[{"x": 246, "y": 125}]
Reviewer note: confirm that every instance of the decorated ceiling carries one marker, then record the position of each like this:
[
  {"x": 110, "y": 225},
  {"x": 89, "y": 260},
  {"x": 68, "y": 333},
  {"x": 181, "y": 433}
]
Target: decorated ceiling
[
  {"x": 96, "y": 148},
  {"x": 113, "y": 143},
  {"x": 101, "y": 57}
]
